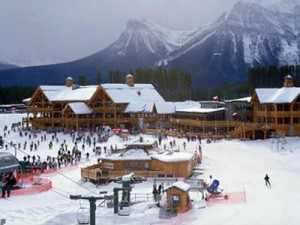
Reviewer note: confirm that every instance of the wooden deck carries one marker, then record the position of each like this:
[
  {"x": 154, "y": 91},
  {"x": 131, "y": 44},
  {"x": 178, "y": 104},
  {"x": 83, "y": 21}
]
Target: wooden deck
[{"x": 95, "y": 174}]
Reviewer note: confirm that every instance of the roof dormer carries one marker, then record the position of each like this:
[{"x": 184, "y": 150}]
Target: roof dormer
[
  {"x": 69, "y": 81},
  {"x": 129, "y": 80},
  {"x": 288, "y": 81}
]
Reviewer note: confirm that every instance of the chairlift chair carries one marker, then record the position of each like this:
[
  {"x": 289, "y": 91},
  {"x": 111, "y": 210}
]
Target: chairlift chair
[
  {"x": 83, "y": 216},
  {"x": 124, "y": 209}
]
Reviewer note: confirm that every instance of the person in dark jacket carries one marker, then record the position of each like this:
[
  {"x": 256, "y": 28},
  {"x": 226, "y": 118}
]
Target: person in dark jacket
[
  {"x": 9, "y": 180},
  {"x": 267, "y": 180}
]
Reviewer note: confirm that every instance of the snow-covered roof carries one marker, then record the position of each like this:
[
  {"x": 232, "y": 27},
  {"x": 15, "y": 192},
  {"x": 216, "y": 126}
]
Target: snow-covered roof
[
  {"x": 122, "y": 93},
  {"x": 164, "y": 107},
  {"x": 137, "y": 142},
  {"x": 201, "y": 110},
  {"x": 64, "y": 93},
  {"x": 277, "y": 95},
  {"x": 80, "y": 108},
  {"x": 26, "y": 100},
  {"x": 139, "y": 106},
  {"x": 175, "y": 157},
  {"x": 246, "y": 99},
  {"x": 128, "y": 155},
  {"x": 185, "y": 105},
  {"x": 180, "y": 185}
]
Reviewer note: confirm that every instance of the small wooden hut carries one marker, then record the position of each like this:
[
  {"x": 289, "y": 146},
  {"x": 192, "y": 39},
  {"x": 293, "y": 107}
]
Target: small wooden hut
[
  {"x": 177, "y": 197},
  {"x": 178, "y": 164}
]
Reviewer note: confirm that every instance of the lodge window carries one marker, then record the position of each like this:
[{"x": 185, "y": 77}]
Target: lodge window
[
  {"x": 286, "y": 107},
  {"x": 57, "y": 115},
  {"x": 270, "y": 120},
  {"x": 98, "y": 115},
  {"x": 296, "y": 120},
  {"x": 175, "y": 199},
  {"x": 134, "y": 165},
  {"x": 285, "y": 120},
  {"x": 270, "y": 108},
  {"x": 283, "y": 107},
  {"x": 296, "y": 107},
  {"x": 260, "y": 120},
  {"x": 109, "y": 115},
  {"x": 261, "y": 108}
]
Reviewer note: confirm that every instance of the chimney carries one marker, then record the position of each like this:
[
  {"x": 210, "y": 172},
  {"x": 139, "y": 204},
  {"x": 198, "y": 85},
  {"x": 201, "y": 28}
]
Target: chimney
[
  {"x": 288, "y": 81},
  {"x": 69, "y": 81},
  {"x": 129, "y": 80}
]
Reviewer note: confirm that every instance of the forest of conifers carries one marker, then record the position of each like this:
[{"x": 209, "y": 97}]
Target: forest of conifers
[{"x": 176, "y": 85}]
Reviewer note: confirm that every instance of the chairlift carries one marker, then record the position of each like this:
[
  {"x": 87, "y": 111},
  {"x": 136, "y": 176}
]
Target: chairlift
[
  {"x": 124, "y": 209},
  {"x": 83, "y": 216}
]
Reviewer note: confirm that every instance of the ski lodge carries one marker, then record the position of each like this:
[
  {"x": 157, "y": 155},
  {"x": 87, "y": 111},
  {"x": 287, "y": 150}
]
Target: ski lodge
[
  {"x": 269, "y": 111},
  {"x": 74, "y": 107}
]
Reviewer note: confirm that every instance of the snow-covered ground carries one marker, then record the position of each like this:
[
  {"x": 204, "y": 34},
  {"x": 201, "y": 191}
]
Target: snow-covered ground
[{"x": 239, "y": 165}]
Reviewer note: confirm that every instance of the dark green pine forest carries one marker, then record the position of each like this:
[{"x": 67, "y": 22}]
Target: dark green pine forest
[{"x": 176, "y": 85}]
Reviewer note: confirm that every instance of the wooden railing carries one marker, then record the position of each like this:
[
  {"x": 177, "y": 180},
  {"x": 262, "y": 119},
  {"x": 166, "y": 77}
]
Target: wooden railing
[{"x": 94, "y": 173}]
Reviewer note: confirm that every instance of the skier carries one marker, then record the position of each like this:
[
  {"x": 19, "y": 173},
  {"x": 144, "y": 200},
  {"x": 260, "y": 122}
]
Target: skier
[{"x": 267, "y": 180}]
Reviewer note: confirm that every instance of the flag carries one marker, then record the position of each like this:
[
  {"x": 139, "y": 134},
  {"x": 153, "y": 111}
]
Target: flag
[{"x": 215, "y": 97}]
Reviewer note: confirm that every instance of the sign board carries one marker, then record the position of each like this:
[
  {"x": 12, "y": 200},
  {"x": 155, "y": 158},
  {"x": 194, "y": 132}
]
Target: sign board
[{"x": 108, "y": 165}]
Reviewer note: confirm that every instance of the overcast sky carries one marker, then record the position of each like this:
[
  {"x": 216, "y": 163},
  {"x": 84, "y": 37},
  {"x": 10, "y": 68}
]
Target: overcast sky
[{"x": 50, "y": 31}]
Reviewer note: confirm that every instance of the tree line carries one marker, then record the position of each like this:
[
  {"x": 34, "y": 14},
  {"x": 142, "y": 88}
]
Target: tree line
[
  {"x": 176, "y": 85},
  {"x": 15, "y": 94}
]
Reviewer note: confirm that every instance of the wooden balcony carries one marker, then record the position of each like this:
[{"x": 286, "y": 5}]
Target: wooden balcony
[
  {"x": 39, "y": 110},
  {"x": 203, "y": 123},
  {"x": 94, "y": 173}
]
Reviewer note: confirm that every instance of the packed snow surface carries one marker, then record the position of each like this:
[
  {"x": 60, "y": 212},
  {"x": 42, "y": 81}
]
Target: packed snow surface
[{"x": 238, "y": 165}]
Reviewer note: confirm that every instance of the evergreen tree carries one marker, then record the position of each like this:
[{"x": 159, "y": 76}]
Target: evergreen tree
[
  {"x": 82, "y": 80},
  {"x": 98, "y": 78}
]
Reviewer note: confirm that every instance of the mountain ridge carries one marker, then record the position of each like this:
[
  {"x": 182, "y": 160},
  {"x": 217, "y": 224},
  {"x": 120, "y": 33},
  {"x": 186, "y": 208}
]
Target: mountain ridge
[{"x": 249, "y": 35}]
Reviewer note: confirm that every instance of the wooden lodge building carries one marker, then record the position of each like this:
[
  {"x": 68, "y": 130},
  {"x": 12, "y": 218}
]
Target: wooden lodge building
[
  {"x": 130, "y": 105},
  {"x": 72, "y": 107},
  {"x": 278, "y": 109},
  {"x": 143, "y": 162}
]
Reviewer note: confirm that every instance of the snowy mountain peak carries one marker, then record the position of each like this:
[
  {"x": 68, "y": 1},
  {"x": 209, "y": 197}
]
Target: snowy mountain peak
[
  {"x": 134, "y": 24},
  {"x": 150, "y": 41}
]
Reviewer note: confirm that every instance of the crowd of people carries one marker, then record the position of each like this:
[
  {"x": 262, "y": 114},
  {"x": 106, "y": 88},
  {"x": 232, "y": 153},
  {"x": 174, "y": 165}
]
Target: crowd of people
[{"x": 31, "y": 140}]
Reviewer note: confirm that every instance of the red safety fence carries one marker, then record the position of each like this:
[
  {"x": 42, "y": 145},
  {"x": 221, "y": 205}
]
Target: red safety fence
[
  {"x": 227, "y": 198},
  {"x": 33, "y": 184},
  {"x": 62, "y": 169}
]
